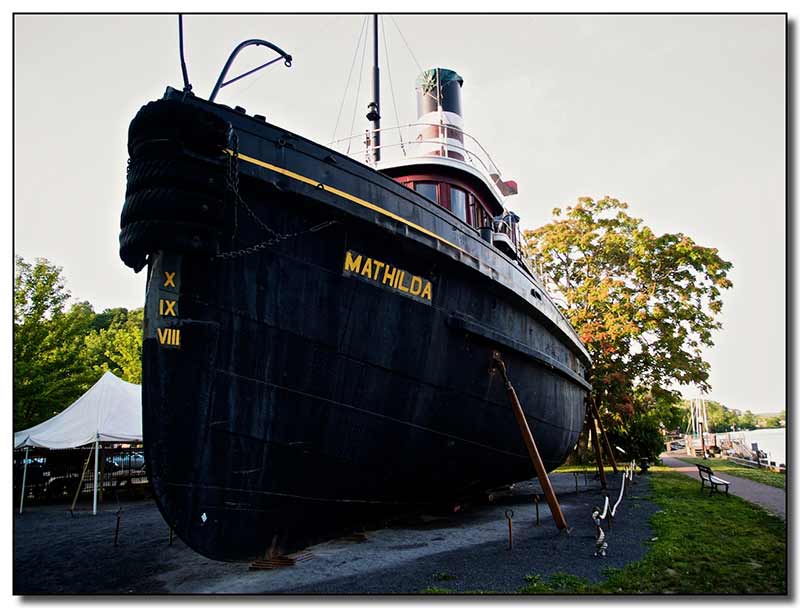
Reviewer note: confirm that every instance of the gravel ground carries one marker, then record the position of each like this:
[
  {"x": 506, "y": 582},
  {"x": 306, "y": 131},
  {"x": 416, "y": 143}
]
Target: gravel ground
[{"x": 57, "y": 553}]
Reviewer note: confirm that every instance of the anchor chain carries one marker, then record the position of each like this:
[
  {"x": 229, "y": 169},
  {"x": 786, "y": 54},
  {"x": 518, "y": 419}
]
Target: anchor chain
[{"x": 232, "y": 187}]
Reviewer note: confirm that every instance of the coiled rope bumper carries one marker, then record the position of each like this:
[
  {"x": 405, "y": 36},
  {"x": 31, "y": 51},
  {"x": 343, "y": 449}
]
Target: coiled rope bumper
[
  {"x": 183, "y": 187},
  {"x": 176, "y": 181}
]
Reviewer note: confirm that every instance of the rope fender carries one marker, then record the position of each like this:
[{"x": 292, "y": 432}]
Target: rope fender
[{"x": 175, "y": 182}]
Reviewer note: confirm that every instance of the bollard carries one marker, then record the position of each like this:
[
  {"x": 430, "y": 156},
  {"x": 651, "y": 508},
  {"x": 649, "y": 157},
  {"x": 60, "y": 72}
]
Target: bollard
[
  {"x": 576, "y": 482},
  {"x": 509, "y": 517},
  {"x": 600, "y": 538},
  {"x": 536, "y": 500},
  {"x": 116, "y": 532}
]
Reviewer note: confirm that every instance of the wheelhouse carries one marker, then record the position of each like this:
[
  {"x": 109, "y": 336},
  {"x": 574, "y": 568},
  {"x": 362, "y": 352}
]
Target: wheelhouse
[{"x": 436, "y": 158}]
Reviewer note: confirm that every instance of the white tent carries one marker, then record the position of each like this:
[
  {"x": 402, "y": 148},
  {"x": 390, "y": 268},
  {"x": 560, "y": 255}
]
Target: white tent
[{"x": 110, "y": 411}]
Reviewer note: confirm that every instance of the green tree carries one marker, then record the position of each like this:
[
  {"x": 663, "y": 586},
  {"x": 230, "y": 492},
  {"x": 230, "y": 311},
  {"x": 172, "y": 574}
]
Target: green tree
[
  {"x": 747, "y": 420},
  {"x": 667, "y": 410},
  {"x": 774, "y": 422},
  {"x": 645, "y": 305},
  {"x": 103, "y": 320},
  {"x": 50, "y": 369},
  {"x": 720, "y": 418},
  {"x": 118, "y": 347}
]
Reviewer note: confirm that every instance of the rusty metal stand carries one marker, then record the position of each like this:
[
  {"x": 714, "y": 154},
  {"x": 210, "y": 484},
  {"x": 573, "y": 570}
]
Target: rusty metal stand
[
  {"x": 116, "y": 531},
  {"x": 596, "y": 414},
  {"x": 280, "y": 561},
  {"x": 509, "y": 516},
  {"x": 533, "y": 451}
]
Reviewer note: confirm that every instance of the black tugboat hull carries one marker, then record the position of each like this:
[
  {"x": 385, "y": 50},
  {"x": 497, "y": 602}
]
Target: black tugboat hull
[{"x": 289, "y": 391}]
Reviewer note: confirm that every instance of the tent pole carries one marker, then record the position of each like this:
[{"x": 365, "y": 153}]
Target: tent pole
[
  {"x": 24, "y": 478},
  {"x": 96, "y": 455}
]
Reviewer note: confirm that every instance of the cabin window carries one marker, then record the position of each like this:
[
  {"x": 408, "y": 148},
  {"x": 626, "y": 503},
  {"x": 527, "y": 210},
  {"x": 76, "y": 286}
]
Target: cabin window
[
  {"x": 458, "y": 203},
  {"x": 427, "y": 189},
  {"x": 481, "y": 217}
]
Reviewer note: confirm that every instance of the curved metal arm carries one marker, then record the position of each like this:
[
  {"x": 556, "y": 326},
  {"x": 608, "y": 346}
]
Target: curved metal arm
[{"x": 253, "y": 42}]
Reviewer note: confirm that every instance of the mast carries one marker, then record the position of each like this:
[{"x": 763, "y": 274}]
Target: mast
[{"x": 374, "y": 105}]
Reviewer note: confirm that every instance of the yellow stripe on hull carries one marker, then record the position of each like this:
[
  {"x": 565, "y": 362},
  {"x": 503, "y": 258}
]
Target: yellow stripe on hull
[{"x": 342, "y": 194}]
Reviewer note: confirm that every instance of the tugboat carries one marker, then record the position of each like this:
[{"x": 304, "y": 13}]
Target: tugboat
[{"x": 319, "y": 327}]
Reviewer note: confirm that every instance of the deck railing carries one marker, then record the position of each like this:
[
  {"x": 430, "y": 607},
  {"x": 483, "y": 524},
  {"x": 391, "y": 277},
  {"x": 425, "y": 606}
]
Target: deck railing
[{"x": 419, "y": 140}]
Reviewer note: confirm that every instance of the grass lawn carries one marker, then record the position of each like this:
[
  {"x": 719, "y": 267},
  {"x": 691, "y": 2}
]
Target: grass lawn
[
  {"x": 576, "y": 468},
  {"x": 702, "y": 545},
  {"x": 591, "y": 468},
  {"x": 728, "y": 467}
]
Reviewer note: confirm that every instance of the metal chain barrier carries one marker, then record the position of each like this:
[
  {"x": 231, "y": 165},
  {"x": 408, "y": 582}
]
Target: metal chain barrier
[{"x": 232, "y": 187}]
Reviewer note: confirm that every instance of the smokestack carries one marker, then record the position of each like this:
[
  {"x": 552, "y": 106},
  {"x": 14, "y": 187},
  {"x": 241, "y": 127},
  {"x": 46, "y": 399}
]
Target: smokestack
[{"x": 439, "y": 109}]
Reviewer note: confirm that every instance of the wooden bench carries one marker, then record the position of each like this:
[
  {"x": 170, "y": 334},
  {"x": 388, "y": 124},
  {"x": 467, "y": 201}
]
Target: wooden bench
[{"x": 714, "y": 482}]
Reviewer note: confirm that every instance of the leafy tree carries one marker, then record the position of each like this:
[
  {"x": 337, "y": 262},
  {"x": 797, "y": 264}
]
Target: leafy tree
[
  {"x": 103, "y": 320},
  {"x": 118, "y": 347},
  {"x": 644, "y": 304},
  {"x": 667, "y": 410},
  {"x": 50, "y": 371},
  {"x": 641, "y": 436},
  {"x": 774, "y": 422},
  {"x": 722, "y": 419},
  {"x": 747, "y": 420}
]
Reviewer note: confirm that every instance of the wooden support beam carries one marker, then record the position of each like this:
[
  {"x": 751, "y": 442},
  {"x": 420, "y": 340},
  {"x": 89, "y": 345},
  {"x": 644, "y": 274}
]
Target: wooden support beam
[
  {"x": 533, "y": 451},
  {"x": 598, "y": 453},
  {"x": 80, "y": 482},
  {"x": 24, "y": 479},
  {"x": 596, "y": 413}
]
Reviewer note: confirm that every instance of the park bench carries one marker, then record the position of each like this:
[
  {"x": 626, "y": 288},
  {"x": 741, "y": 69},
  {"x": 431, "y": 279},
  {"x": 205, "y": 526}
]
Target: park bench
[{"x": 714, "y": 482}]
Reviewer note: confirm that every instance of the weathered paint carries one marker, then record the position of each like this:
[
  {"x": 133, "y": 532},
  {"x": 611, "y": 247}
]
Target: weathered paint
[{"x": 307, "y": 390}]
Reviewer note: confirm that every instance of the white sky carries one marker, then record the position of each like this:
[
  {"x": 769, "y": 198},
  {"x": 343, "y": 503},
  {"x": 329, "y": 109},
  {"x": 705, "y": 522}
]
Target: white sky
[{"x": 681, "y": 116}]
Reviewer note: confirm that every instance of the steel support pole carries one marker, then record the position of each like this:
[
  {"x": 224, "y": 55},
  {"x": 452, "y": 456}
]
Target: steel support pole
[
  {"x": 96, "y": 456},
  {"x": 533, "y": 451},
  {"x": 24, "y": 479}
]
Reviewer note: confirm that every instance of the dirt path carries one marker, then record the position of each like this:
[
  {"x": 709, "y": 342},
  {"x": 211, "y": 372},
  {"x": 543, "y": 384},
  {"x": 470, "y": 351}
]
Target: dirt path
[{"x": 772, "y": 499}]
